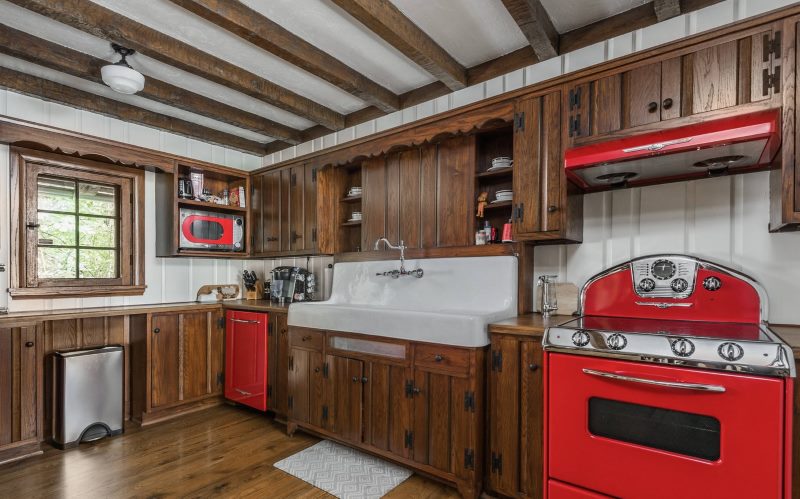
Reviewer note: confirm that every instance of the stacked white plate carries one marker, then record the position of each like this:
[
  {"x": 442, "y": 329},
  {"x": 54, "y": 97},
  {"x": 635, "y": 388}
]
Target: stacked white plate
[
  {"x": 500, "y": 163},
  {"x": 503, "y": 195},
  {"x": 355, "y": 216},
  {"x": 353, "y": 192}
]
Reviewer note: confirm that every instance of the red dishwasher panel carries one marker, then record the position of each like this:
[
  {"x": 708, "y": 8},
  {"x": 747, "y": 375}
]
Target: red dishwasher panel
[
  {"x": 246, "y": 358},
  {"x": 614, "y": 433}
]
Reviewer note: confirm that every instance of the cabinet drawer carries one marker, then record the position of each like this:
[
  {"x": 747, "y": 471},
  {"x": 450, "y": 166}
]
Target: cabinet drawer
[
  {"x": 446, "y": 358},
  {"x": 306, "y": 338}
]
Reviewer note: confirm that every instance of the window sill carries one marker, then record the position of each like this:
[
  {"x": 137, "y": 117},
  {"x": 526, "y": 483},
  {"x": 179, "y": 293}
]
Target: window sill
[{"x": 76, "y": 291}]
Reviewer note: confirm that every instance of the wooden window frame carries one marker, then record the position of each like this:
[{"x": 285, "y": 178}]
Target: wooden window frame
[{"x": 26, "y": 165}]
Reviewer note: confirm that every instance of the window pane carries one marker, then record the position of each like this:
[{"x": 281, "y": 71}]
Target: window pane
[
  {"x": 56, "y": 194},
  {"x": 97, "y": 199},
  {"x": 98, "y": 232},
  {"x": 56, "y": 263},
  {"x": 56, "y": 229},
  {"x": 98, "y": 264}
]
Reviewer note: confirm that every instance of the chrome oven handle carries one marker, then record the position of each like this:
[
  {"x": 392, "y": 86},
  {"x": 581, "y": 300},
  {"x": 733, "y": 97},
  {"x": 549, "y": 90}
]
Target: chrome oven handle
[
  {"x": 244, "y": 321},
  {"x": 666, "y": 384},
  {"x": 242, "y": 392}
]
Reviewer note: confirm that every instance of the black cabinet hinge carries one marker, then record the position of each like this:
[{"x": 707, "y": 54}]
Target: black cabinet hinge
[
  {"x": 771, "y": 46},
  {"x": 519, "y": 121},
  {"x": 771, "y": 81},
  {"x": 409, "y": 440},
  {"x": 314, "y": 235},
  {"x": 574, "y": 125},
  {"x": 497, "y": 360},
  {"x": 269, "y": 390},
  {"x": 293, "y": 179},
  {"x": 221, "y": 322},
  {"x": 269, "y": 329},
  {"x": 325, "y": 370},
  {"x": 469, "y": 401},
  {"x": 497, "y": 463},
  {"x": 575, "y": 97},
  {"x": 220, "y": 378},
  {"x": 469, "y": 459},
  {"x": 291, "y": 363},
  {"x": 313, "y": 174},
  {"x": 324, "y": 412},
  {"x": 410, "y": 389},
  {"x": 290, "y": 402}
]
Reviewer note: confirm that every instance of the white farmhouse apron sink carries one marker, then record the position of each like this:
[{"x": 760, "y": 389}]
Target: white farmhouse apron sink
[{"x": 451, "y": 304}]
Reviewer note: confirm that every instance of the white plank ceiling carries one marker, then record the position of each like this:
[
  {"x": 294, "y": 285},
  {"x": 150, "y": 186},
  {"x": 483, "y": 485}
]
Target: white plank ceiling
[{"x": 471, "y": 31}]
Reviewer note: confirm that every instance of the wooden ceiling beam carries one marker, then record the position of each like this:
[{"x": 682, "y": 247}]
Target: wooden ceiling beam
[
  {"x": 386, "y": 21},
  {"x": 536, "y": 25},
  {"x": 51, "y": 91},
  {"x": 666, "y": 9},
  {"x": 51, "y": 55},
  {"x": 262, "y": 32},
  {"x": 107, "y": 24}
]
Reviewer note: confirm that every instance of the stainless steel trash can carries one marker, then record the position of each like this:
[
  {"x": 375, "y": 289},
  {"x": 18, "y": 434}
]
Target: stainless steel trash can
[{"x": 88, "y": 395}]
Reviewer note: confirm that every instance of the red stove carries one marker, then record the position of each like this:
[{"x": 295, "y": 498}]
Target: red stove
[{"x": 670, "y": 384}]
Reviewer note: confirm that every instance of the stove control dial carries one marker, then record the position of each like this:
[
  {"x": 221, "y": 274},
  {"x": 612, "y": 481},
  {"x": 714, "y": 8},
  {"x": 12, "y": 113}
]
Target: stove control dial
[
  {"x": 616, "y": 341},
  {"x": 682, "y": 347},
  {"x": 712, "y": 283},
  {"x": 730, "y": 351},
  {"x": 580, "y": 338},
  {"x": 679, "y": 285},
  {"x": 646, "y": 285}
]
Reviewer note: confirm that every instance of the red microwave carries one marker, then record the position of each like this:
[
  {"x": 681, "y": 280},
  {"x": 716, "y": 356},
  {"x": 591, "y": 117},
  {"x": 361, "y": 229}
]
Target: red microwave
[{"x": 211, "y": 231}]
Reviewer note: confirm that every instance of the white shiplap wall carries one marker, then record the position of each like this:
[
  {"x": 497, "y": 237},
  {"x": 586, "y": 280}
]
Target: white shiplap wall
[{"x": 167, "y": 279}]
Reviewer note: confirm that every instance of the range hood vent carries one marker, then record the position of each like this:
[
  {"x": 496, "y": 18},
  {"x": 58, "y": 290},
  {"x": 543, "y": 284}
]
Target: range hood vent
[{"x": 716, "y": 147}]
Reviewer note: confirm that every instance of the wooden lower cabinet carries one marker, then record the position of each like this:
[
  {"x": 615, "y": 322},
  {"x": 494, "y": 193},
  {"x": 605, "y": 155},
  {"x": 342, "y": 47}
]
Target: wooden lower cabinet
[
  {"x": 21, "y": 404},
  {"x": 181, "y": 357},
  {"x": 278, "y": 364},
  {"x": 418, "y": 404},
  {"x": 514, "y": 459}
]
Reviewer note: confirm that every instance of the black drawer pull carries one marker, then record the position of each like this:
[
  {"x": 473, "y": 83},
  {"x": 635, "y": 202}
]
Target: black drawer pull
[
  {"x": 652, "y": 107},
  {"x": 667, "y": 103},
  {"x": 28, "y": 344}
]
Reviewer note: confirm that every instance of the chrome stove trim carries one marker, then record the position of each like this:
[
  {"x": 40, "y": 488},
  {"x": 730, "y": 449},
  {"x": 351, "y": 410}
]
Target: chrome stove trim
[{"x": 666, "y": 384}]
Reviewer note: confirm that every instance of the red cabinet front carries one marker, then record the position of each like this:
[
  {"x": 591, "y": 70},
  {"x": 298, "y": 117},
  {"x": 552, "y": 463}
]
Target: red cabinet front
[
  {"x": 613, "y": 431},
  {"x": 246, "y": 358}
]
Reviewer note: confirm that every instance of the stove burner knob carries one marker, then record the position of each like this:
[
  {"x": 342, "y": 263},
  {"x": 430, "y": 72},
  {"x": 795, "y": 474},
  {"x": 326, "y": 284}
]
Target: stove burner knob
[
  {"x": 712, "y": 283},
  {"x": 616, "y": 342},
  {"x": 679, "y": 285},
  {"x": 646, "y": 285},
  {"x": 580, "y": 339},
  {"x": 682, "y": 347},
  {"x": 730, "y": 351}
]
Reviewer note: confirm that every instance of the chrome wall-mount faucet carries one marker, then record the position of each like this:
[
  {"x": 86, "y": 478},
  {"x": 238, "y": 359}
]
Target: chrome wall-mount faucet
[{"x": 395, "y": 274}]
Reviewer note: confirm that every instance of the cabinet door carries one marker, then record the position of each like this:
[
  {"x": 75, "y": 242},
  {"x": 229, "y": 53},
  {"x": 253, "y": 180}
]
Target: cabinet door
[
  {"x": 165, "y": 359},
  {"x": 539, "y": 182},
  {"x": 344, "y": 389},
  {"x": 305, "y": 386},
  {"x": 285, "y": 208},
  {"x": 270, "y": 212},
  {"x": 373, "y": 202},
  {"x": 504, "y": 401},
  {"x": 531, "y": 426},
  {"x": 456, "y": 185},
  {"x": 280, "y": 386},
  {"x": 20, "y": 376},
  {"x": 246, "y": 358},
  {"x": 256, "y": 218},
  {"x": 642, "y": 95},
  {"x": 310, "y": 208},
  {"x": 217, "y": 352},
  {"x": 387, "y": 407},
  {"x": 297, "y": 179},
  {"x": 195, "y": 334}
]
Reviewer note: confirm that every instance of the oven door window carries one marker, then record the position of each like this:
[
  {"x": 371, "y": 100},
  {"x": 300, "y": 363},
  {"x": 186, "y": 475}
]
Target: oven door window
[{"x": 684, "y": 433}]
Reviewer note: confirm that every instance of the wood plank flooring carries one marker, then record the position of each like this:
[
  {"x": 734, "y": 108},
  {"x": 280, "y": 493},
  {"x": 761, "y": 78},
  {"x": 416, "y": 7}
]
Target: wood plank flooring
[{"x": 220, "y": 452}]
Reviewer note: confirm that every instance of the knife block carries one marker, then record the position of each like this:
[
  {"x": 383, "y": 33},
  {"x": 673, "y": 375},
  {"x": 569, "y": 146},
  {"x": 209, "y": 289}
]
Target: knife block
[{"x": 255, "y": 294}]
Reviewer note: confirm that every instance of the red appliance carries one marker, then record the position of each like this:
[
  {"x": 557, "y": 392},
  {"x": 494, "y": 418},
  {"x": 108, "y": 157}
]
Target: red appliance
[
  {"x": 246, "y": 358},
  {"x": 727, "y": 145},
  {"x": 670, "y": 384},
  {"x": 211, "y": 231}
]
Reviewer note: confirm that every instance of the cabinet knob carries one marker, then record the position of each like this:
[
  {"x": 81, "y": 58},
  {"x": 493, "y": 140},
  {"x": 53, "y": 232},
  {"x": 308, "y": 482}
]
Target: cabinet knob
[
  {"x": 28, "y": 344},
  {"x": 415, "y": 390},
  {"x": 533, "y": 367},
  {"x": 364, "y": 379},
  {"x": 157, "y": 330},
  {"x": 307, "y": 337},
  {"x": 316, "y": 369},
  {"x": 439, "y": 357},
  {"x": 355, "y": 379},
  {"x": 667, "y": 103},
  {"x": 652, "y": 107},
  {"x": 552, "y": 208}
]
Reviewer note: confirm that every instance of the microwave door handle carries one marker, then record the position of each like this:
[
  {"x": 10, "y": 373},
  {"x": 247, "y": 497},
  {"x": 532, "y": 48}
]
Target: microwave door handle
[{"x": 666, "y": 384}]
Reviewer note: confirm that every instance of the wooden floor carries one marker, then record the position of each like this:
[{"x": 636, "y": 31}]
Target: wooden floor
[{"x": 221, "y": 452}]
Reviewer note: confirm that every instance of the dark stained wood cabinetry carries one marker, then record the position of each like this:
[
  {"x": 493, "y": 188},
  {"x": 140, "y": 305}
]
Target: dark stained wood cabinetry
[
  {"x": 785, "y": 182},
  {"x": 419, "y": 404},
  {"x": 284, "y": 211},
  {"x": 277, "y": 364}
]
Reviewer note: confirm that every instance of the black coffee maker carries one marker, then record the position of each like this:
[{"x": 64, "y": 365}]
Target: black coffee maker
[{"x": 291, "y": 284}]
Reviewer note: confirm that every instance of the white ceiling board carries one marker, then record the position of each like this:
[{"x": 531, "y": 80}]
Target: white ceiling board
[
  {"x": 168, "y": 18},
  {"x": 330, "y": 29},
  {"x": 48, "y": 29},
  {"x": 570, "y": 14},
  {"x": 104, "y": 91},
  {"x": 472, "y": 31}
]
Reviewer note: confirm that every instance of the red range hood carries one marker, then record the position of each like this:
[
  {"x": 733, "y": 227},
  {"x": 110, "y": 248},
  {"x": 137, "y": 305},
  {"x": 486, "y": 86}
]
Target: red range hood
[{"x": 715, "y": 147}]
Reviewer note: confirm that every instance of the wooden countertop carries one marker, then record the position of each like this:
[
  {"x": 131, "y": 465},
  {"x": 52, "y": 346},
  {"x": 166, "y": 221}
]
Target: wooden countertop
[
  {"x": 528, "y": 324},
  {"x": 15, "y": 318},
  {"x": 791, "y": 335}
]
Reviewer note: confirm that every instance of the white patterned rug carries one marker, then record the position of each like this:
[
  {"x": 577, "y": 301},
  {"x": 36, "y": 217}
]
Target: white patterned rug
[{"x": 344, "y": 472}]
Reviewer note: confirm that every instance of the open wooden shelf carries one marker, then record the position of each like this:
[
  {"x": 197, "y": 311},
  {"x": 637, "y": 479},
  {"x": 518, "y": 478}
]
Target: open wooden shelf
[
  {"x": 211, "y": 206},
  {"x": 501, "y": 173},
  {"x": 351, "y": 224},
  {"x": 494, "y": 206},
  {"x": 350, "y": 199}
]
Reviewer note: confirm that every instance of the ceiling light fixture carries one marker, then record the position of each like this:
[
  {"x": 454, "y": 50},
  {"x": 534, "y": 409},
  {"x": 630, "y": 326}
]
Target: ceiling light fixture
[{"x": 120, "y": 76}]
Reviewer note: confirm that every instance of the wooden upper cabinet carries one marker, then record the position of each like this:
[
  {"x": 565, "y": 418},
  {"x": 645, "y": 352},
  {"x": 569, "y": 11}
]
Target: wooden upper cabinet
[
  {"x": 651, "y": 93},
  {"x": 785, "y": 182}
]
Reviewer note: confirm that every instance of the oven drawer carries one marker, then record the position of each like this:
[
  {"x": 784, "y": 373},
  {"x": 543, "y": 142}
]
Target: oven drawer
[{"x": 631, "y": 429}]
